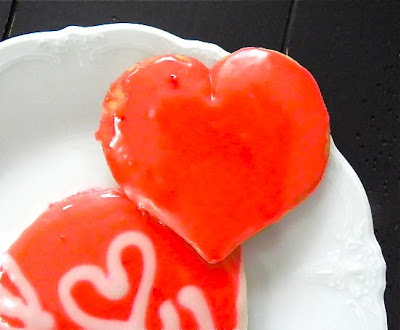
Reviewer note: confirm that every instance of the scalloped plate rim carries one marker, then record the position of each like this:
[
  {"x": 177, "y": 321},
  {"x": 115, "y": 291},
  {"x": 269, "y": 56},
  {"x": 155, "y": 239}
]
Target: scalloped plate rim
[{"x": 23, "y": 40}]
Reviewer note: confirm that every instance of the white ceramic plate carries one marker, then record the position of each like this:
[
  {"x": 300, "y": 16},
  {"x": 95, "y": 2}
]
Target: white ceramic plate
[{"x": 320, "y": 268}]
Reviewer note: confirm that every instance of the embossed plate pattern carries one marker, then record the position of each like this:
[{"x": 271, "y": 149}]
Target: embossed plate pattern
[{"x": 320, "y": 268}]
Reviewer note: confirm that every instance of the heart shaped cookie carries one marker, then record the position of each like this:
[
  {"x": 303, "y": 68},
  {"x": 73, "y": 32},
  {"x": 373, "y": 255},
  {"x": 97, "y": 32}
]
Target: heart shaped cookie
[
  {"x": 95, "y": 261},
  {"x": 216, "y": 154}
]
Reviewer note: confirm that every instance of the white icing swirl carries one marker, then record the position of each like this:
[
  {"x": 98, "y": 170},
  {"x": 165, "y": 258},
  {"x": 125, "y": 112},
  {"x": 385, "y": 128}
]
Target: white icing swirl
[
  {"x": 28, "y": 309},
  {"x": 192, "y": 298},
  {"x": 169, "y": 316}
]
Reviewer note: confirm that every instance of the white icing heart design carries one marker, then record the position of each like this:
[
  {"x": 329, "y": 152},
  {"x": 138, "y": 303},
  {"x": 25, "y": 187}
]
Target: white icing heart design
[
  {"x": 115, "y": 286},
  {"x": 28, "y": 309}
]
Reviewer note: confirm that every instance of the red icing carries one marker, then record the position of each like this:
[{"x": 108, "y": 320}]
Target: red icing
[
  {"x": 67, "y": 236},
  {"x": 219, "y": 153}
]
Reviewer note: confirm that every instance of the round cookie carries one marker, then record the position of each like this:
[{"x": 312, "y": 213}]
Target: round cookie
[{"x": 94, "y": 260}]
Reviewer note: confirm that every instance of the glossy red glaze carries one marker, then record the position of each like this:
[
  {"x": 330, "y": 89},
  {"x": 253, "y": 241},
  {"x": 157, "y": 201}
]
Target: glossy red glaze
[
  {"x": 216, "y": 154},
  {"x": 80, "y": 229}
]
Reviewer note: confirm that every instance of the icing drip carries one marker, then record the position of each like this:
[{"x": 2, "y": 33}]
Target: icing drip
[
  {"x": 241, "y": 303},
  {"x": 28, "y": 309}
]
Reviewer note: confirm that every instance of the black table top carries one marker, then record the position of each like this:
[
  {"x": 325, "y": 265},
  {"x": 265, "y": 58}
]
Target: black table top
[{"x": 351, "y": 47}]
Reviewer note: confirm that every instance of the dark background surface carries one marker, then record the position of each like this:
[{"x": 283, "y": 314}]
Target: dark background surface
[{"x": 351, "y": 47}]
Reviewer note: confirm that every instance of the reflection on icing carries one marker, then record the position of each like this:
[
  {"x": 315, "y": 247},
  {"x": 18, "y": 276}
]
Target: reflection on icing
[
  {"x": 193, "y": 299},
  {"x": 67, "y": 207},
  {"x": 117, "y": 132},
  {"x": 28, "y": 309},
  {"x": 110, "y": 195},
  {"x": 175, "y": 58},
  {"x": 113, "y": 286}
]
